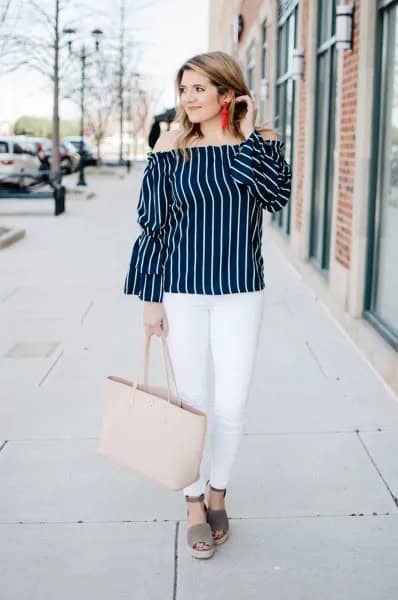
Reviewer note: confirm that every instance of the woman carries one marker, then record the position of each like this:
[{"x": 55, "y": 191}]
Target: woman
[{"x": 197, "y": 263}]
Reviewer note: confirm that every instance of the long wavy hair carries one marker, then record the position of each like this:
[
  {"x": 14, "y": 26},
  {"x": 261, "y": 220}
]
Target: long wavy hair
[{"x": 225, "y": 73}]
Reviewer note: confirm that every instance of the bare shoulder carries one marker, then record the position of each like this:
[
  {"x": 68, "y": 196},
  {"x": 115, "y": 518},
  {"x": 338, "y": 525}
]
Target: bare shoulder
[
  {"x": 166, "y": 141},
  {"x": 267, "y": 133}
]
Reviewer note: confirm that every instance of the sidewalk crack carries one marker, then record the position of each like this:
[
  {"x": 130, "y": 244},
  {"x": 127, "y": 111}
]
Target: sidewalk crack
[
  {"x": 176, "y": 560},
  {"x": 395, "y": 499},
  {"x": 84, "y": 315},
  {"x": 314, "y": 356},
  {"x": 50, "y": 369}
]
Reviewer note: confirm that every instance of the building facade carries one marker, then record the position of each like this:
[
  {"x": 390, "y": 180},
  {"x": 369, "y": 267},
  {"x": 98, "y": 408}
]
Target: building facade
[{"x": 336, "y": 109}]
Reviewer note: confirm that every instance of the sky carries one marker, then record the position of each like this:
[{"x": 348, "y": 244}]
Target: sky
[{"x": 168, "y": 32}]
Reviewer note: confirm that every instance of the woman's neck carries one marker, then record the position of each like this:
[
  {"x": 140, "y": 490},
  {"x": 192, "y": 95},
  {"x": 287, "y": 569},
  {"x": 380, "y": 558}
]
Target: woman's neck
[{"x": 214, "y": 134}]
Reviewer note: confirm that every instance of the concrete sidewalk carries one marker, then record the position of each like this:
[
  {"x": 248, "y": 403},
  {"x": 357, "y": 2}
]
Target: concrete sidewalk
[{"x": 313, "y": 497}]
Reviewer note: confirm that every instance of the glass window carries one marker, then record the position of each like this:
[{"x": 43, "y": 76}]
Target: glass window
[
  {"x": 264, "y": 82},
  {"x": 28, "y": 148},
  {"x": 327, "y": 9},
  {"x": 285, "y": 93},
  {"x": 250, "y": 65},
  {"x": 3, "y": 147},
  {"x": 264, "y": 50},
  {"x": 382, "y": 296},
  {"x": 324, "y": 136}
]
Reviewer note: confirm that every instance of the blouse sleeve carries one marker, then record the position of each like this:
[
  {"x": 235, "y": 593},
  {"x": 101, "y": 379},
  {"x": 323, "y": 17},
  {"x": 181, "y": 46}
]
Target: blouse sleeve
[
  {"x": 260, "y": 164},
  {"x": 145, "y": 274}
]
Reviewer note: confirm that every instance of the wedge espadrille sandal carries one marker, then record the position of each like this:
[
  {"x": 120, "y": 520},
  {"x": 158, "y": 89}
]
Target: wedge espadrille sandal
[
  {"x": 200, "y": 533},
  {"x": 218, "y": 519}
]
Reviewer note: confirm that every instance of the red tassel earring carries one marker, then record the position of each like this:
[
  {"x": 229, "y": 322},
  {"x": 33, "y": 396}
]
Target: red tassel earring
[{"x": 224, "y": 114}]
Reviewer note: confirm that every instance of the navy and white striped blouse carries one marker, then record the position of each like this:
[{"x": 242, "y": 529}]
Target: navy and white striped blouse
[{"x": 201, "y": 219}]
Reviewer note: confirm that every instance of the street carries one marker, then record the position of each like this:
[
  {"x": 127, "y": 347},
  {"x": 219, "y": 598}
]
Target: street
[{"x": 313, "y": 497}]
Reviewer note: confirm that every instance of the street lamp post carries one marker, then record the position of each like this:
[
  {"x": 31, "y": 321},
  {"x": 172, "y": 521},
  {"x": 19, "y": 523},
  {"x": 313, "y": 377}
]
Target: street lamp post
[{"x": 83, "y": 55}]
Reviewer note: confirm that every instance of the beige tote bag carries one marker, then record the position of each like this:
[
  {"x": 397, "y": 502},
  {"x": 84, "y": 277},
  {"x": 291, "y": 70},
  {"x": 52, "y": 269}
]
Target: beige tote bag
[{"x": 151, "y": 431}]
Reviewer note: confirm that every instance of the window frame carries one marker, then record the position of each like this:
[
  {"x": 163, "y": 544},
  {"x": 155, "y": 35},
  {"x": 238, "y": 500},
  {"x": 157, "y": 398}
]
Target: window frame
[
  {"x": 285, "y": 85},
  {"x": 375, "y": 183},
  {"x": 321, "y": 225}
]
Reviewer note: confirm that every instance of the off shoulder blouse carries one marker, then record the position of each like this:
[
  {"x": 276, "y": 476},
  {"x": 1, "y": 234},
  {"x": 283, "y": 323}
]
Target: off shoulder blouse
[{"x": 201, "y": 220}]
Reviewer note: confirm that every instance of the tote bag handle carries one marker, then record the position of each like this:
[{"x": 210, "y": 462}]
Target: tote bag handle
[{"x": 168, "y": 365}]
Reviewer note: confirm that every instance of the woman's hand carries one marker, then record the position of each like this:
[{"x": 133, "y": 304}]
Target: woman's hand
[
  {"x": 155, "y": 320},
  {"x": 249, "y": 120}
]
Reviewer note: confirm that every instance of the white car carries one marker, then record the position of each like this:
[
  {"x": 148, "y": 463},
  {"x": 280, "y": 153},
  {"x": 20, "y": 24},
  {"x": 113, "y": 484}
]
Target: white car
[{"x": 16, "y": 158}]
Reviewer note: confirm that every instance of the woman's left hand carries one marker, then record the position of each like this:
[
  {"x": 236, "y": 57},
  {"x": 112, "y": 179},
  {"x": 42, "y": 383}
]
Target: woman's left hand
[{"x": 249, "y": 120}]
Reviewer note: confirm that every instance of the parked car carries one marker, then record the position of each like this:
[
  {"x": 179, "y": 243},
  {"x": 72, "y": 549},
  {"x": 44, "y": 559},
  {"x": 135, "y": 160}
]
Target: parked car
[
  {"x": 17, "y": 156},
  {"x": 88, "y": 154},
  {"x": 69, "y": 158}
]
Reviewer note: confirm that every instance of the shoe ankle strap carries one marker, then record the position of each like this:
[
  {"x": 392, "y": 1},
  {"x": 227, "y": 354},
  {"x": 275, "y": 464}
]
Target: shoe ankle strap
[
  {"x": 218, "y": 489},
  {"x": 195, "y": 498}
]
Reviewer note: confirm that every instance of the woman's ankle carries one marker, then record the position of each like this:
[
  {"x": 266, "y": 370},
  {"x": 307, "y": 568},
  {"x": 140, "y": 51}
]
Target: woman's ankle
[
  {"x": 216, "y": 499},
  {"x": 196, "y": 512}
]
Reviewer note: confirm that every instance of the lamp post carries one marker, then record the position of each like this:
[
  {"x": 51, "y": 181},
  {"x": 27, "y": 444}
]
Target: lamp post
[{"x": 83, "y": 56}]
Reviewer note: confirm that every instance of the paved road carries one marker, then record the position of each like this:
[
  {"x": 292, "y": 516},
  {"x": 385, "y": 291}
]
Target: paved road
[{"x": 312, "y": 500}]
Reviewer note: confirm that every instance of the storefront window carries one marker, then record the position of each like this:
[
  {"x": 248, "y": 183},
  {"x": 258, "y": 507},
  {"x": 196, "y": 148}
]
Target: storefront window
[
  {"x": 382, "y": 297},
  {"x": 285, "y": 93},
  {"x": 264, "y": 75},
  {"x": 324, "y": 136},
  {"x": 251, "y": 65}
]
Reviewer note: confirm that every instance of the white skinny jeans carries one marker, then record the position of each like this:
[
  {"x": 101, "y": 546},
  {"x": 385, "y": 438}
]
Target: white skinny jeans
[{"x": 231, "y": 323}]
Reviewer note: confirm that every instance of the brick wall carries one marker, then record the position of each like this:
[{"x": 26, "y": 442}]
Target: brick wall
[
  {"x": 346, "y": 169},
  {"x": 221, "y": 13},
  {"x": 249, "y": 10}
]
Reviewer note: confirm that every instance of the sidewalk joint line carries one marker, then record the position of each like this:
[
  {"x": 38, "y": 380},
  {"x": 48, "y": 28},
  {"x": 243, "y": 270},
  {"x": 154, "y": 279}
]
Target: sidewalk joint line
[
  {"x": 74, "y": 438},
  {"x": 79, "y": 438},
  {"x": 164, "y": 521},
  {"x": 395, "y": 499},
  {"x": 50, "y": 369},
  {"x": 68, "y": 438},
  {"x": 317, "y": 432}
]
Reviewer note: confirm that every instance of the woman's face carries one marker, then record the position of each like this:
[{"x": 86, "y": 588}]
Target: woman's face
[{"x": 199, "y": 97}]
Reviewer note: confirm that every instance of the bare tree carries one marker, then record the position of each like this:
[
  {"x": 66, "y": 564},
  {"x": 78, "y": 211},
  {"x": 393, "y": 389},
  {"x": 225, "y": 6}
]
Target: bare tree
[
  {"x": 126, "y": 57},
  {"x": 4, "y": 10},
  {"x": 139, "y": 116},
  {"x": 10, "y": 58},
  {"x": 140, "y": 107},
  {"x": 101, "y": 98},
  {"x": 39, "y": 51},
  {"x": 44, "y": 50}
]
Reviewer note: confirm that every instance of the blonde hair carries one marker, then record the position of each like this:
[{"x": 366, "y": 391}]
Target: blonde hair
[{"x": 225, "y": 73}]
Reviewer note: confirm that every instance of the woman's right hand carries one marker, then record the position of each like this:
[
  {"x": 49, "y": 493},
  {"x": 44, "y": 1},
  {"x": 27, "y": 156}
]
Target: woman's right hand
[{"x": 155, "y": 320}]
